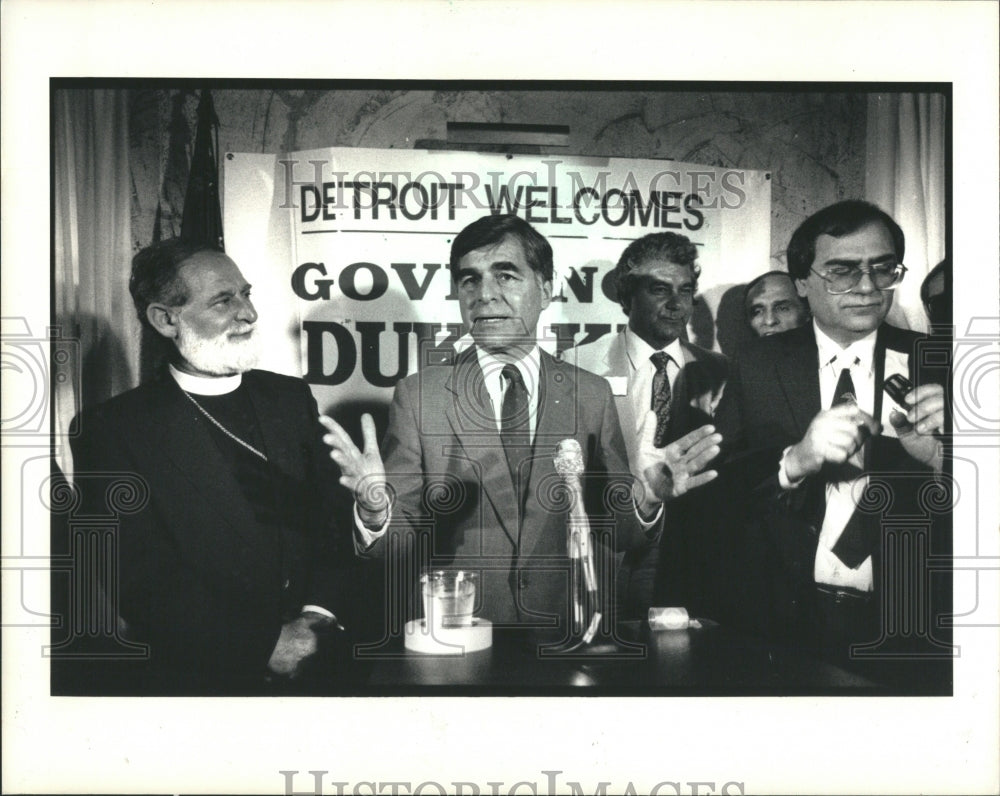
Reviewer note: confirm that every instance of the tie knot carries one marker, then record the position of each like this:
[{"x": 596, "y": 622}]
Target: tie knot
[
  {"x": 512, "y": 374},
  {"x": 660, "y": 360}
]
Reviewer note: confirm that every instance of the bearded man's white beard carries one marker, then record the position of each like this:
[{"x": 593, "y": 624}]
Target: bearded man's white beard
[{"x": 219, "y": 356}]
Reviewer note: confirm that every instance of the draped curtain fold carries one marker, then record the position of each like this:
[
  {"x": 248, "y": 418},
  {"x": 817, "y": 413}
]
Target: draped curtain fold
[
  {"x": 905, "y": 176},
  {"x": 92, "y": 249}
]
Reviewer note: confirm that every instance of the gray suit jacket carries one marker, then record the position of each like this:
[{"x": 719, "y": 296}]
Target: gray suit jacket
[{"x": 455, "y": 500}]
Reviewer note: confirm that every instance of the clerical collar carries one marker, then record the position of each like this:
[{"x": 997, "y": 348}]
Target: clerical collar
[
  {"x": 639, "y": 351},
  {"x": 862, "y": 350},
  {"x": 205, "y": 385}
]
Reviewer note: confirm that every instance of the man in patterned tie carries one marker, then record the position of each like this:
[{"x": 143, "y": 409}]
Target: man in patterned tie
[
  {"x": 468, "y": 453},
  {"x": 843, "y": 525},
  {"x": 665, "y": 388}
]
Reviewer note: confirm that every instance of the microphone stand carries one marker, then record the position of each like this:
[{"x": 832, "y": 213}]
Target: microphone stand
[{"x": 585, "y": 614}]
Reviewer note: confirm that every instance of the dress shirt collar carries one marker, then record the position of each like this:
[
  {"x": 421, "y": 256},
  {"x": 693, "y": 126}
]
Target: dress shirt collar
[
  {"x": 831, "y": 353},
  {"x": 530, "y": 366},
  {"x": 205, "y": 385},
  {"x": 639, "y": 351}
]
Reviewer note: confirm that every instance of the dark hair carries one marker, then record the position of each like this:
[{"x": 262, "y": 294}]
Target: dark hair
[
  {"x": 155, "y": 272},
  {"x": 655, "y": 246},
  {"x": 837, "y": 220},
  {"x": 943, "y": 268},
  {"x": 490, "y": 230},
  {"x": 760, "y": 279}
]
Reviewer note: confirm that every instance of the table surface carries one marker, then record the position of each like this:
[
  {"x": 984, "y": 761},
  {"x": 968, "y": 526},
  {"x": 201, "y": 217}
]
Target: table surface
[{"x": 706, "y": 660}]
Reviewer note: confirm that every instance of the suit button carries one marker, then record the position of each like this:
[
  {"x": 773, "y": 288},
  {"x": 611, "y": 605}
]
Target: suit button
[
  {"x": 286, "y": 584},
  {"x": 522, "y": 580}
]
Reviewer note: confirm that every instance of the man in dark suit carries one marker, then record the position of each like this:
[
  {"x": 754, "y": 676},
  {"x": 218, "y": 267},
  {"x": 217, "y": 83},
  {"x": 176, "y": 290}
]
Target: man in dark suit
[
  {"x": 225, "y": 564},
  {"x": 665, "y": 388},
  {"x": 468, "y": 453},
  {"x": 841, "y": 522}
]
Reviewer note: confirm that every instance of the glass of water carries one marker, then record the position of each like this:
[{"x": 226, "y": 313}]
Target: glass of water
[{"x": 449, "y": 597}]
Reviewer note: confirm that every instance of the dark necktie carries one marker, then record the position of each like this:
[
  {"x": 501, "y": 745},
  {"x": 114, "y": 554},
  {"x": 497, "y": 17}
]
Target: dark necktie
[
  {"x": 844, "y": 392},
  {"x": 661, "y": 397},
  {"x": 861, "y": 534},
  {"x": 514, "y": 429}
]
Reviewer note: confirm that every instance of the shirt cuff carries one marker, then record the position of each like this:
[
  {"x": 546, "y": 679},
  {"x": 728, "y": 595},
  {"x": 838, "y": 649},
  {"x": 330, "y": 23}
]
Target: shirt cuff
[
  {"x": 318, "y": 609},
  {"x": 783, "y": 479},
  {"x": 650, "y": 523},
  {"x": 364, "y": 537}
]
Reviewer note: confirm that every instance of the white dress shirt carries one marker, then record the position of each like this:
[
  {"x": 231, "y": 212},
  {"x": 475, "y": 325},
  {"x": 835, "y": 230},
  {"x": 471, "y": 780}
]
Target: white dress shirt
[
  {"x": 842, "y": 496},
  {"x": 642, "y": 371},
  {"x": 496, "y": 385}
]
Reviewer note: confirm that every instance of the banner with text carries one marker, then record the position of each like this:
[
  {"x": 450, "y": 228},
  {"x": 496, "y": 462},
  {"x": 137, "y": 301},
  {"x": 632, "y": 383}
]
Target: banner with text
[{"x": 366, "y": 235}]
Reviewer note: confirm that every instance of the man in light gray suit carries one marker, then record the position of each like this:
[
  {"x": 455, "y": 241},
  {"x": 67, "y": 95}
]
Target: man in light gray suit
[
  {"x": 466, "y": 465},
  {"x": 664, "y": 388}
]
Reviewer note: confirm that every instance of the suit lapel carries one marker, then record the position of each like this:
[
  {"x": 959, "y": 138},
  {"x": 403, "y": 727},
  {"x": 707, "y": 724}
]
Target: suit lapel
[
  {"x": 797, "y": 375},
  {"x": 557, "y": 420},
  {"x": 618, "y": 365},
  {"x": 473, "y": 423}
]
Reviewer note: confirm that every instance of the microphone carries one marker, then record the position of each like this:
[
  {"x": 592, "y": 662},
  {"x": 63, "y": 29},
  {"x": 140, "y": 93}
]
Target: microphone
[{"x": 568, "y": 460}]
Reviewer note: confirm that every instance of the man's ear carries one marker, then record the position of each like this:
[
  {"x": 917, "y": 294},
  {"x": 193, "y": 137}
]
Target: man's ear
[
  {"x": 800, "y": 288},
  {"x": 546, "y": 292},
  {"x": 162, "y": 318}
]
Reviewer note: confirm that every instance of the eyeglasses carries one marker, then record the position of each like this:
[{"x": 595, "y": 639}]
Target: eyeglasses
[{"x": 844, "y": 278}]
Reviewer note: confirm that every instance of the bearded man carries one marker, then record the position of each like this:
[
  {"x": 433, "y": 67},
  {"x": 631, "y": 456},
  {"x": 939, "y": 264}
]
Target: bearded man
[{"x": 226, "y": 567}]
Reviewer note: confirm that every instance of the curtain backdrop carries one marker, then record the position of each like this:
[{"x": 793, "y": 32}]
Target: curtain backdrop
[
  {"x": 905, "y": 176},
  {"x": 93, "y": 250}
]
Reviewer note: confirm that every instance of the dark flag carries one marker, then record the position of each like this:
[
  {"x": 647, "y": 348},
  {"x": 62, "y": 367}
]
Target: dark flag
[{"x": 202, "y": 219}]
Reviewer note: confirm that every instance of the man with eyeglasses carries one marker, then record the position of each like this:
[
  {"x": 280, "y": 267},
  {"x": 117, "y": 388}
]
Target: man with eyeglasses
[
  {"x": 830, "y": 461},
  {"x": 665, "y": 387}
]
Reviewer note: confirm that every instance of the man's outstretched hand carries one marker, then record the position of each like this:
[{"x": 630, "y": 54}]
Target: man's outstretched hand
[
  {"x": 362, "y": 470},
  {"x": 679, "y": 467}
]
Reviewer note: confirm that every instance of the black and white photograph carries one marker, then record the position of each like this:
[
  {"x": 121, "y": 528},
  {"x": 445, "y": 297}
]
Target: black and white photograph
[{"x": 445, "y": 430}]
